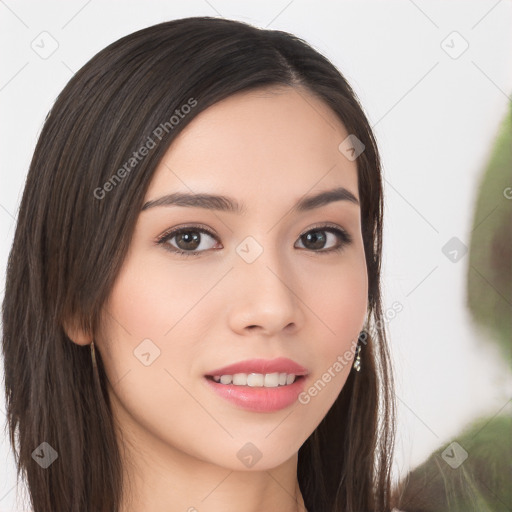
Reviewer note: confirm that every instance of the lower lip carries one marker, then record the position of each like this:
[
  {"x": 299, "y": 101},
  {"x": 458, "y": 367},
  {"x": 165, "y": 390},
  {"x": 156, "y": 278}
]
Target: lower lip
[{"x": 259, "y": 399}]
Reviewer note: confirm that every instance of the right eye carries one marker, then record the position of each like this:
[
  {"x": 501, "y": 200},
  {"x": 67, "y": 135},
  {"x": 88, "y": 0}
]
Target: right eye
[{"x": 188, "y": 240}]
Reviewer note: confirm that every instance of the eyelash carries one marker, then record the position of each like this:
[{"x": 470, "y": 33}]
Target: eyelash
[{"x": 342, "y": 235}]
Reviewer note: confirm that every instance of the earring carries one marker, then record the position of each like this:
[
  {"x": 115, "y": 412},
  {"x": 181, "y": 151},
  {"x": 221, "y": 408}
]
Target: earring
[
  {"x": 93, "y": 355},
  {"x": 357, "y": 359}
]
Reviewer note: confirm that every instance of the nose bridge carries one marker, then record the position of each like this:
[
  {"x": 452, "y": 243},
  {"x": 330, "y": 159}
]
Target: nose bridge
[
  {"x": 262, "y": 265},
  {"x": 264, "y": 283}
]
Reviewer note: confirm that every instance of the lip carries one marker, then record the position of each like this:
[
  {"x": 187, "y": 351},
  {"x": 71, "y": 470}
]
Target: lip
[
  {"x": 259, "y": 399},
  {"x": 280, "y": 365}
]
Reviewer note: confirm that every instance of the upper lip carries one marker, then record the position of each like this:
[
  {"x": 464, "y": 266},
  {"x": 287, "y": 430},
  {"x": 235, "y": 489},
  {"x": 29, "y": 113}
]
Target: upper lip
[{"x": 279, "y": 365}]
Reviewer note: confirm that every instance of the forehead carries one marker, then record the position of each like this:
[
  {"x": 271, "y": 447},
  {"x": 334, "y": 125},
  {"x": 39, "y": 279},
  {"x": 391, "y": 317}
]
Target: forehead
[{"x": 258, "y": 145}]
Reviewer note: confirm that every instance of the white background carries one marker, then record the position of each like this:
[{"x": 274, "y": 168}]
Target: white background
[{"x": 435, "y": 118}]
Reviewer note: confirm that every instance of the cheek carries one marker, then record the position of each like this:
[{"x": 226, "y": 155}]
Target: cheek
[
  {"x": 339, "y": 301},
  {"x": 151, "y": 297},
  {"x": 148, "y": 354},
  {"x": 343, "y": 303},
  {"x": 136, "y": 318},
  {"x": 338, "y": 297}
]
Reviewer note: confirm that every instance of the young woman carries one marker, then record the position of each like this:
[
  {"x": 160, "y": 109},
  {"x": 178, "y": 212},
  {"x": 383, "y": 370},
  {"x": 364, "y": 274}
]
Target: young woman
[{"x": 192, "y": 314}]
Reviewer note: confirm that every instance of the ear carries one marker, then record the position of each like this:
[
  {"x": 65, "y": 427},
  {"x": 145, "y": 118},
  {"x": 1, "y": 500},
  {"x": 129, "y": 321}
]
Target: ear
[{"x": 76, "y": 334}]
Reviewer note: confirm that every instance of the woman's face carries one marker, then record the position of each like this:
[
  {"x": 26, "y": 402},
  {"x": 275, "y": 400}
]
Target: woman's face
[{"x": 263, "y": 283}]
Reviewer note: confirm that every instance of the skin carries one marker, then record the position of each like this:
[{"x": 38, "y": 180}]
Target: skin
[{"x": 179, "y": 440}]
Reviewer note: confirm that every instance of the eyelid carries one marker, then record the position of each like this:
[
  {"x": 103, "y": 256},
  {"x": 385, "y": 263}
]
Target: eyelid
[
  {"x": 325, "y": 225},
  {"x": 185, "y": 227},
  {"x": 208, "y": 230}
]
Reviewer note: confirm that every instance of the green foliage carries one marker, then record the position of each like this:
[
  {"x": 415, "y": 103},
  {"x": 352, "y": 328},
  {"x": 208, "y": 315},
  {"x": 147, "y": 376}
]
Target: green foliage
[
  {"x": 489, "y": 279},
  {"x": 482, "y": 483}
]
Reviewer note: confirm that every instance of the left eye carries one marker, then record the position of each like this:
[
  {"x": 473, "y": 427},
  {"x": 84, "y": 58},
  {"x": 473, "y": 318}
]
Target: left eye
[
  {"x": 317, "y": 238},
  {"x": 189, "y": 240}
]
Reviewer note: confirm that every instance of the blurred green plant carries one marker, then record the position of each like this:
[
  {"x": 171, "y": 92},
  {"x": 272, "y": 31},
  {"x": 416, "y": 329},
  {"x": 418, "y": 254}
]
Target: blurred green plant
[
  {"x": 489, "y": 279},
  {"x": 483, "y": 482}
]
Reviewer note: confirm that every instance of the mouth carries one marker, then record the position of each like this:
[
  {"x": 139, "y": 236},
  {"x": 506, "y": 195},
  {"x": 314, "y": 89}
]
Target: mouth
[{"x": 256, "y": 392}]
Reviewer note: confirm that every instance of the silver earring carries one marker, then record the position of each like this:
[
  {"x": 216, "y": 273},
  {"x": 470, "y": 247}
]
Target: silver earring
[{"x": 357, "y": 359}]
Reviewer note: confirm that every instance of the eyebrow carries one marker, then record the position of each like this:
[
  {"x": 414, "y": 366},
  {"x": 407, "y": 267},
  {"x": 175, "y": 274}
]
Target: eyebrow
[{"x": 229, "y": 204}]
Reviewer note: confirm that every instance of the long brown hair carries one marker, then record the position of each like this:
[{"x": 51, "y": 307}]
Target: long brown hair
[{"x": 71, "y": 239}]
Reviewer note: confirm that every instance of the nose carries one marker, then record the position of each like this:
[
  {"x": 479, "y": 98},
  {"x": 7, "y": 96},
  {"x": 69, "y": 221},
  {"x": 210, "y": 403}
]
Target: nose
[{"x": 264, "y": 296}]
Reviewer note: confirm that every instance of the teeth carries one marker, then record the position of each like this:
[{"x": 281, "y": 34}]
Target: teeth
[
  {"x": 257, "y": 380},
  {"x": 226, "y": 379}
]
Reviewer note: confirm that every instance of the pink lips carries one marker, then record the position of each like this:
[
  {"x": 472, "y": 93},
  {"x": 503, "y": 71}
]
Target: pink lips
[
  {"x": 280, "y": 365},
  {"x": 260, "y": 399}
]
